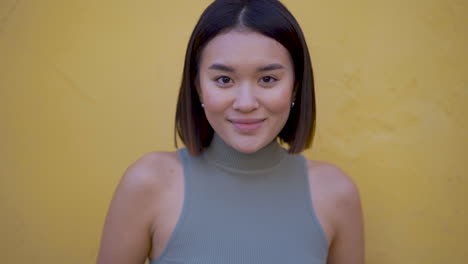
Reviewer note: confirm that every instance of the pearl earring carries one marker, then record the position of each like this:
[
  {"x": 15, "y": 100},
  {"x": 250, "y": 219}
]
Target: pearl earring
[
  {"x": 203, "y": 105},
  {"x": 292, "y": 104}
]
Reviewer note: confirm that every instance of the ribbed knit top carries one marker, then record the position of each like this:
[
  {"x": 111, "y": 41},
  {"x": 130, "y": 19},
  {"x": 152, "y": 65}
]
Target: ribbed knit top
[{"x": 245, "y": 209}]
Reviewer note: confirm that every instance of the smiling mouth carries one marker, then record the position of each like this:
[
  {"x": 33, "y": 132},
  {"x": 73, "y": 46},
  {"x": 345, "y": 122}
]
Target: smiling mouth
[{"x": 247, "y": 125}]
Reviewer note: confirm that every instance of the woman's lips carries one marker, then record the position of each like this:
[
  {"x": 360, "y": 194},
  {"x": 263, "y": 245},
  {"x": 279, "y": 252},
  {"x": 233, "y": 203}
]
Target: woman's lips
[{"x": 247, "y": 125}]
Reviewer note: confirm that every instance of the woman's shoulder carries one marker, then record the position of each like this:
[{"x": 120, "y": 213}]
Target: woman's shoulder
[
  {"x": 335, "y": 195},
  {"x": 332, "y": 180},
  {"x": 337, "y": 202},
  {"x": 151, "y": 172},
  {"x": 137, "y": 200},
  {"x": 159, "y": 160}
]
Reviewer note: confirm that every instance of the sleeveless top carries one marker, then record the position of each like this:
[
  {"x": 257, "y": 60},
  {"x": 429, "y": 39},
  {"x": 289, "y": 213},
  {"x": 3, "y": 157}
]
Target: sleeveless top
[{"x": 245, "y": 209}]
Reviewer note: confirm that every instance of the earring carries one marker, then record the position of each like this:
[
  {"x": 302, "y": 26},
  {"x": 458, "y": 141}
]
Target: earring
[
  {"x": 203, "y": 105},
  {"x": 292, "y": 104}
]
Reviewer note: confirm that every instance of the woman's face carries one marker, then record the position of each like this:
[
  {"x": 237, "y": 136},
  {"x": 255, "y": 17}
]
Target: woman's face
[{"x": 246, "y": 83}]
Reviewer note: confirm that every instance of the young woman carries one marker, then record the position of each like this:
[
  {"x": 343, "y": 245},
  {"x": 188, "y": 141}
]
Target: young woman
[{"x": 234, "y": 195}]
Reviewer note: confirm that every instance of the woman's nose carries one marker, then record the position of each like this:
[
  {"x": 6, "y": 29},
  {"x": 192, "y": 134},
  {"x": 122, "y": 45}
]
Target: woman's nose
[{"x": 246, "y": 100}]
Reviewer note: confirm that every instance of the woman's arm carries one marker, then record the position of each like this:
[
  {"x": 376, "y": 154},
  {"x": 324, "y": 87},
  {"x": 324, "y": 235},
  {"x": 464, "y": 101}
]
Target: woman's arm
[
  {"x": 347, "y": 245},
  {"x": 338, "y": 207},
  {"x": 126, "y": 237}
]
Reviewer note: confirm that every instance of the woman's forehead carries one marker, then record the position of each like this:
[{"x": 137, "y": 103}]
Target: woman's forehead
[{"x": 244, "y": 48}]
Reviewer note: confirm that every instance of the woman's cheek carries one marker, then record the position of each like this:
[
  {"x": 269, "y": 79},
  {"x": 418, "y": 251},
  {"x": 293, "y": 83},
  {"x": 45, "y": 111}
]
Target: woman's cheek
[
  {"x": 216, "y": 101},
  {"x": 278, "y": 102}
]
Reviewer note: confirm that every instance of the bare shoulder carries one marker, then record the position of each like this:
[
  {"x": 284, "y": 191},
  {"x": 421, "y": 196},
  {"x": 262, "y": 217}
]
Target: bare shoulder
[
  {"x": 146, "y": 180},
  {"x": 333, "y": 182},
  {"x": 127, "y": 230},
  {"x": 152, "y": 170},
  {"x": 338, "y": 206},
  {"x": 336, "y": 200}
]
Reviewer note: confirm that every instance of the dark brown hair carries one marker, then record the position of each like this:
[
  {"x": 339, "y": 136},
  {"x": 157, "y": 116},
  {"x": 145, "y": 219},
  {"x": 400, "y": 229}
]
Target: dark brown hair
[{"x": 267, "y": 17}]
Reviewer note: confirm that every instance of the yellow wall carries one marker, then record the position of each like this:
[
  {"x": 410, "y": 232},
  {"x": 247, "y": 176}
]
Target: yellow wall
[{"x": 86, "y": 87}]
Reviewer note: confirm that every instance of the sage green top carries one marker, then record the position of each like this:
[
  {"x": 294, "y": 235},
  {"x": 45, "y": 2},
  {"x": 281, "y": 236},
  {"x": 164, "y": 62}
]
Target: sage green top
[{"x": 245, "y": 209}]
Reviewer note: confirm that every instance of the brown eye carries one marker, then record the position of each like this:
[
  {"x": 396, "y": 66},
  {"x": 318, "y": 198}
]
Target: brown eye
[
  {"x": 223, "y": 80},
  {"x": 268, "y": 79}
]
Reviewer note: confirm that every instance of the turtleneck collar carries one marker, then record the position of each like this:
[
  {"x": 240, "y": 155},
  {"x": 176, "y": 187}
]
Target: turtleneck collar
[{"x": 226, "y": 156}]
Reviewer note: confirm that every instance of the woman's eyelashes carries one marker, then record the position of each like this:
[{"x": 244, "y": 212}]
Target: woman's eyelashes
[
  {"x": 223, "y": 81},
  {"x": 268, "y": 80},
  {"x": 226, "y": 81}
]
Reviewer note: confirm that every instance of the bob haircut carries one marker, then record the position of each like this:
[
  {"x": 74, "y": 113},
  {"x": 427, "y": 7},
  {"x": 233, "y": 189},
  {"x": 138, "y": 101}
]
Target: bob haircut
[{"x": 269, "y": 18}]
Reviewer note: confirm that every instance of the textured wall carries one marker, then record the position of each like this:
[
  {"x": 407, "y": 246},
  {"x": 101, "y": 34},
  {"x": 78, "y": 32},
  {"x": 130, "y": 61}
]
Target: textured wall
[{"x": 88, "y": 86}]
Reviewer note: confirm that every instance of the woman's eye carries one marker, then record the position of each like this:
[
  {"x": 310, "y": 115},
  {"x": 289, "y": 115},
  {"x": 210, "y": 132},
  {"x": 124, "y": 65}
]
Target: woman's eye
[
  {"x": 268, "y": 79},
  {"x": 224, "y": 80}
]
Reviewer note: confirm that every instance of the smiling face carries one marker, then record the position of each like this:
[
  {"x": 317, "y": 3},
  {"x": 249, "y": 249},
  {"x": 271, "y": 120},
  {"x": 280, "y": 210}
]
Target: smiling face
[{"x": 246, "y": 84}]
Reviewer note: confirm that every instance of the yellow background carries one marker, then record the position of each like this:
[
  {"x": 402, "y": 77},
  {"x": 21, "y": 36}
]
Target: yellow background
[{"x": 89, "y": 86}]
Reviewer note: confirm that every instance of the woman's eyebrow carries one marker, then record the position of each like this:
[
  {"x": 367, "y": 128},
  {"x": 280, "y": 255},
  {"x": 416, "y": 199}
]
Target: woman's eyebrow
[
  {"x": 221, "y": 67},
  {"x": 269, "y": 67}
]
